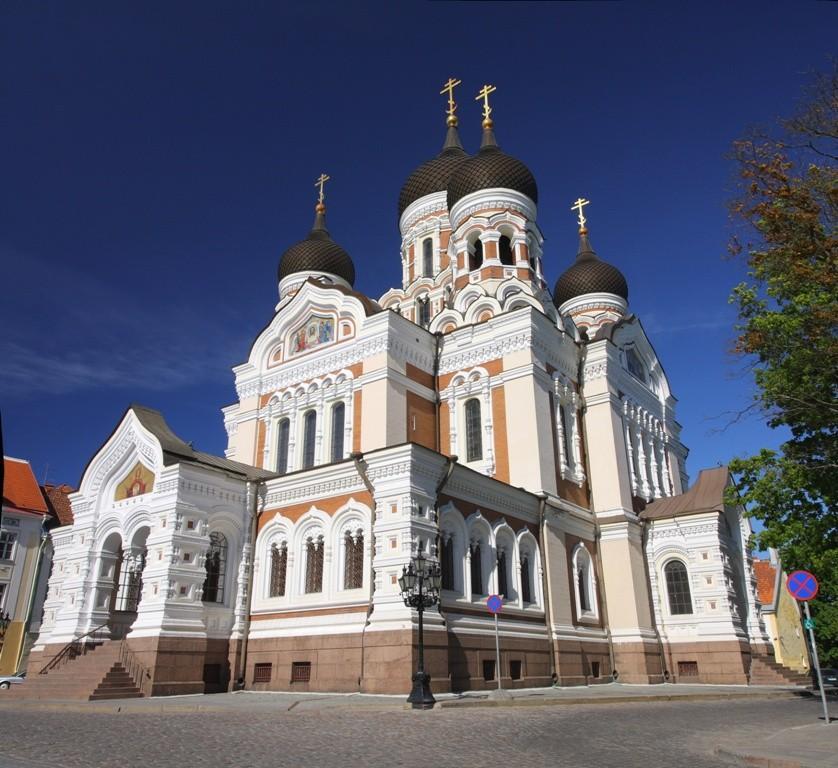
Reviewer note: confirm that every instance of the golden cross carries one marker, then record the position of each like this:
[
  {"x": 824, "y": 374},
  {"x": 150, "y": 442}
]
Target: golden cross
[
  {"x": 449, "y": 87},
  {"x": 484, "y": 94},
  {"x": 579, "y": 206},
  {"x": 319, "y": 183}
]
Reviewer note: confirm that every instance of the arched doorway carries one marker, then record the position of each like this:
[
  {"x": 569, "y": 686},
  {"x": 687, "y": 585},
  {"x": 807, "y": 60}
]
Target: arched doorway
[{"x": 128, "y": 584}]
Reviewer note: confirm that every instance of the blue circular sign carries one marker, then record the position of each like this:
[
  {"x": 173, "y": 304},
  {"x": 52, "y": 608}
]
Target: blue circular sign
[
  {"x": 802, "y": 585},
  {"x": 494, "y": 603}
]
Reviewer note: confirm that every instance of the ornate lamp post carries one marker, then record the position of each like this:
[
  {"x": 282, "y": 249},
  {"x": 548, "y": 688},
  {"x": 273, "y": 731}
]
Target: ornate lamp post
[{"x": 420, "y": 583}]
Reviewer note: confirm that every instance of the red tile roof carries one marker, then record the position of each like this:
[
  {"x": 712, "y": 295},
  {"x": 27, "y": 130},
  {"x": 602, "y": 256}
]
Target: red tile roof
[
  {"x": 766, "y": 579},
  {"x": 20, "y": 489},
  {"x": 58, "y": 501}
]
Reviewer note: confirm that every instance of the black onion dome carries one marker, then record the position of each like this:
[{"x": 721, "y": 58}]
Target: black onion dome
[
  {"x": 318, "y": 253},
  {"x": 433, "y": 176},
  {"x": 491, "y": 168},
  {"x": 589, "y": 274}
]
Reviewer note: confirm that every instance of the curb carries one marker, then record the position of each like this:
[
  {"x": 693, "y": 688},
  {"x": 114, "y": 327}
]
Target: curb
[{"x": 756, "y": 760}]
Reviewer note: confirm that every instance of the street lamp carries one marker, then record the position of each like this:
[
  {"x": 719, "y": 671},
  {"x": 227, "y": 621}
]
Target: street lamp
[{"x": 419, "y": 583}]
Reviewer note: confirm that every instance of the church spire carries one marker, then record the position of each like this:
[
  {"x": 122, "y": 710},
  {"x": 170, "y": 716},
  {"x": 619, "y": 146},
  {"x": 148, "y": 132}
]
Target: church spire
[
  {"x": 584, "y": 243},
  {"x": 452, "y": 137},
  {"x": 320, "y": 208},
  {"x": 488, "y": 140}
]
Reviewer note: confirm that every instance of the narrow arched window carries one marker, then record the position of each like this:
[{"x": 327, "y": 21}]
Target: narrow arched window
[
  {"x": 309, "y": 433},
  {"x": 505, "y": 251},
  {"x": 428, "y": 257},
  {"x": 279, "y": 567},
  {"x": 216, "y": 567},
  {"x": 678, "y": 588},
  {"x": 476, "y": 569},
  {"x": 474, "y": 436},
  {"x": 475, "y": 259},
  {"x": 567, "y": 436},
  {"x": 338, "y": 419},
  {"x": 283, "y": 430},
  {"x": 353, "y": 564},
  {"x": 423, "y": 304},
  {"x": 584, "y": 594},
  {"x": 314, "y": 564},
  {"x": 526, "y": 580},
  {"x": 503, "y": 581},
  {"x": 447, "y": 562}
]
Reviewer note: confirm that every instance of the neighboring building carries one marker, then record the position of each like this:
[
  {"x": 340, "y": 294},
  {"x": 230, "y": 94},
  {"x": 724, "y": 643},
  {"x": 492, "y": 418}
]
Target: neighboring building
[
  {"x": 528, "y": 441},
  {"x": 25, "y": 557},
  {"x": 781, "y": 613}
]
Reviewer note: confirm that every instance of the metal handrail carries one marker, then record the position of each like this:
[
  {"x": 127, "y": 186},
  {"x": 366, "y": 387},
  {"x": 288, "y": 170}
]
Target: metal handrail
[
  {"x": 132, "y": 666},
  {"x": 75, "y": 648}
]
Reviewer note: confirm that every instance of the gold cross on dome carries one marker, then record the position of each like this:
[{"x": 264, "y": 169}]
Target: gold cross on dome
[
  {"x": 484, "y": 94},
  {"x": 319, "y": 183},
  {"x": 449, "y": 88},
  {"x": 579, "y": 205}
]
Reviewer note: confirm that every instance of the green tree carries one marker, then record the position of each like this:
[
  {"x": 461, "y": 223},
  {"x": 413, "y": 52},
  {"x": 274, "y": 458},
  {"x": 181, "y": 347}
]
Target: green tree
[{"x": 788, "y": 333}]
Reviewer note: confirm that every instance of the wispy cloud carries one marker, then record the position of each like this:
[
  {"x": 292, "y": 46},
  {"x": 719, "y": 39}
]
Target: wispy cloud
[{"x": 655, "y": 326}]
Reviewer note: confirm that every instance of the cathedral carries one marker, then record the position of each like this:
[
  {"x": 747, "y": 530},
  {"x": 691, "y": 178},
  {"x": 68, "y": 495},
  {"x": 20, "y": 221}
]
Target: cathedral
[{"x": 524, "y": 439}]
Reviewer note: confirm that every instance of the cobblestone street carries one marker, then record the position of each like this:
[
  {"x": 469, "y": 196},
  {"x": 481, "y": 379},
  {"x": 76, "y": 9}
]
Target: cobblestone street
[{"x": 627, "y": 734}]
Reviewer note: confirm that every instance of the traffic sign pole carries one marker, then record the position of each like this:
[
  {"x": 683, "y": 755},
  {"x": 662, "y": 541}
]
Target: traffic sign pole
[
  {"x": 497, "y": 652},
  {"x": 809, "y": 625}
]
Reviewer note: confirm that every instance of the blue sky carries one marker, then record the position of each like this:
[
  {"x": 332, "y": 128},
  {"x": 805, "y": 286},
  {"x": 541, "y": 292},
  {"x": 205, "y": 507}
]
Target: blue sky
[{"x": 157, "y": 159}]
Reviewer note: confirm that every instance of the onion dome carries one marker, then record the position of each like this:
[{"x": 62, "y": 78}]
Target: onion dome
[
  {"x": 589, "y": 274},
  {"x": 433, "y": 176},
  {"x": 318, "y": 253},
  {"x": 491, "y": 168}
]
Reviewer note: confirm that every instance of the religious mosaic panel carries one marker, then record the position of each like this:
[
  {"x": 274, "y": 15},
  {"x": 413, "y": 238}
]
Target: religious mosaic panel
[
  {"x": 315, "y": 332},
  {"x": 138, "y": 481}
]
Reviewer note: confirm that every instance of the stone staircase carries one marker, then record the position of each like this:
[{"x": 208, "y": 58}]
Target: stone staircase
[
  {"x": 96, "y": 673},
  {"x": 766, "y": 671}
]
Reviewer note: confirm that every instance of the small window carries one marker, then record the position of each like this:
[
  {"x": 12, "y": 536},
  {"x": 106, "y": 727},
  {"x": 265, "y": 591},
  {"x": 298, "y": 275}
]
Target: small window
[
  {"x": 423, "y": 312},
  {"x": 595, "y": 669},
  {"x": 283, "y": 434},
  {"x": 505, "y": 251},
  {"x": 338, "y": 421},
  {"x": 635, "y": 364},
  {"x": 515, "y": 669},
  {"x": 503, "y": 582},
  {"x": 448, "y": 562},
  {"x": 526, "y": 579},
  {"x": 567, "y": 437},
  {"x": 353, "y": 564},
  {"x": 584, "y": 583},
  {"x": 300, "y": 671},
  {"x": 475, "y": 257},
  {"x": 7, "y": 544},
  {"x": 474, "y": 437},
  {"x": 476, "y": 570},
  {"x": 678, "y": 588},
  {"x": 279, "y": 568},
  {"x": 262, "y": 673},
  {"x": 216, "y": 566},
  {"x": 314, "y": 565},
  {"x": 584, "y": 597},
  {"x": 687, "y": 669},
  {"x": 428, "y": 257},
  {"x": 488, "y": 669},
  {"x": 309, "y": 434}
]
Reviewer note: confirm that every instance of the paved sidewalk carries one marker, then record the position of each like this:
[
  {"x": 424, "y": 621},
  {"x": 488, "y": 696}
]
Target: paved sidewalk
[{"x": 802, "y": 746}]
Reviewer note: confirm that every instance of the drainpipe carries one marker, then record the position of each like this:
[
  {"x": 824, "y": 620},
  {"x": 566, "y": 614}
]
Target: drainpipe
[
  {"x": 362, "y": 468},
  {"x": 252, "y": 497},
  {"x": 644, "y": 528},
  {"x": 545, "y": 583},
  {"x": 437, "y": 402}
]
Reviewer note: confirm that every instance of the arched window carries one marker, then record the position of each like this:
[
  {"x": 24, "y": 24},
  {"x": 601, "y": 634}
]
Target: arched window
[
  {"x": 423, "y": 311},
  {"x": 476, "y": 569},
  {"x": 353, "y": 564},
  {"x": 447, "y": 561},
  {"x": 475, "y": 257},
  {"x": 584, "y": 583},
  {"x": 567, "y": 437},
  {"x": 314, "y": 564},
  {"x": 216, "y": 565},
  {"x": 678, "y": 588},
  {"x": 309, "y": 433},
  {"x": 474, "y": 437},
  {"x": 526, "y": 579},
  {"x": 283, "y": 430},
  {"x": 503, "y": 580},
  {"x": 338, "y": 419},
  {"x": 584, "y": 596},
  {"x": 279, "y": 567},
  {"x": 505, "y": 251},
  {"x": 428, "y": 257}
]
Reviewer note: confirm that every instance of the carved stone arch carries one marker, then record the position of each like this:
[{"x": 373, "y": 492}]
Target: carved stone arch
[
  {"x": 137, "y": 519},
  {"x": 104, "y": 531},
  {"x": 475, "y": 309},
  {"x": 522, "y": 300},
  {"x": 446, "y": 317},
  {"x": 467, "y": 296}
]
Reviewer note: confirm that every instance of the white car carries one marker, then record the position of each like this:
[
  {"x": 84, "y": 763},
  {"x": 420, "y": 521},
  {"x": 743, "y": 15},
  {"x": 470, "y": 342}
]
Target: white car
[{"x": 7, "y": 681}]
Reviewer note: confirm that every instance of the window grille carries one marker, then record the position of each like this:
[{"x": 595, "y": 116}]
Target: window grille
[
  {"x": 515, "y": 669},
  {"x": 428, "y": 257},
  {"x": 688, "y": 669},
  {"x": 309, "y": 434},
  {"x": 526, "y": 586},
  {"x": 505, "y": 251},
  {"x": 448, "y": 562},
  {"x": 300, "y": 671},
  {"x": 353, "y": 564},
  {"x": 314, "y": 565},
  {"x": 283, "y": 434},
  {"x": 503, "y": 585},
  {"x": 678, "y": 588},
  {"x": 474, "y": 438},
  {"x": 279, "y": 567},
  {"x": 338, "y": 421},
  {"x": 216, "y": 565},
  {"x": 488, "y": 669},
  {"x": 129, "y": 583},
  {"x": 476, "y": 570},
  {"x": 7, "y": 544},
  {"x": 262, "y": 673}
]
